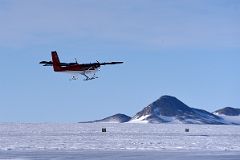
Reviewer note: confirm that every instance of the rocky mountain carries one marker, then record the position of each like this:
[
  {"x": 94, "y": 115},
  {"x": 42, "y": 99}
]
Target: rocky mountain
[
  {"x": 168, "y": 109},
  {"x": 228, "y": 111},
  {"x": 117, "y": 118},
  {"x": 229, "y": 114}
]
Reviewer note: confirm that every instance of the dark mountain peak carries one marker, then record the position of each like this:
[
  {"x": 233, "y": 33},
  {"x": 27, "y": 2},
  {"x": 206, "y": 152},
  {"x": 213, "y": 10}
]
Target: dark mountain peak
[
  {"x": 229, "y": 111},
  {"x": 169, "y": 106},
  {"x": 168, "y": 97},
  {"x": 117, "y": 118},
  {"x": 120, "y": 117}
]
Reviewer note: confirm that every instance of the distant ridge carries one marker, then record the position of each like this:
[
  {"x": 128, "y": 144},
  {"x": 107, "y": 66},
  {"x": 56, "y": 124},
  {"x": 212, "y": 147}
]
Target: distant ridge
[
  {"x": 229, "y": 114},
  {"x": 117, "y": 118},
  {"x": 169, "y": 109},
  {"x": 228, "y": 111}
]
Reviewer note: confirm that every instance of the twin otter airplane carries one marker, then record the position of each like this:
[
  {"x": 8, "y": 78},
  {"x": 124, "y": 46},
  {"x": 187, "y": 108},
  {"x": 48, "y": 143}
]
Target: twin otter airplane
[{"x": 75, "y": 68}]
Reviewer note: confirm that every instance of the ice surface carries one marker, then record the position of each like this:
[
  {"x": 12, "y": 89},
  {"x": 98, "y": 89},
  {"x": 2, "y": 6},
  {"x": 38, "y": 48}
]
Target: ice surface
[
  {"x": 129, "y": 139},
  {"x": 119, "y": 137},
  {"x": 118, "y": 155}
]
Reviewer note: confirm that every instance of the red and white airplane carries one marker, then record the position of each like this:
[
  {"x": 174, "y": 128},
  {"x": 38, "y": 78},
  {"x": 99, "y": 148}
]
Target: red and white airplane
[{"x": 75, "y": 68}]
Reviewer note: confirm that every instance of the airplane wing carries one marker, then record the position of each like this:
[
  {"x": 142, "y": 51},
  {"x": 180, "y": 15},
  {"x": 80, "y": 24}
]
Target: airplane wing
[
  {"x": 109, "y": 63},
  {"x": 98, "y": 64},
  {"x": 50, "y": 63}
]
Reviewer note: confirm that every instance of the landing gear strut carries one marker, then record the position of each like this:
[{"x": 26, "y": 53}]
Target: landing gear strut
[
  {"x": 73, "y": 78},
  {"x": 89, "y": 78}
]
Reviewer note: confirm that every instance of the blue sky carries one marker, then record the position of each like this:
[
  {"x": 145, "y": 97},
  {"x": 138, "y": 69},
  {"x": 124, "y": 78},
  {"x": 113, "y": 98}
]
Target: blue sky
[{"x": 188, "y": 49}]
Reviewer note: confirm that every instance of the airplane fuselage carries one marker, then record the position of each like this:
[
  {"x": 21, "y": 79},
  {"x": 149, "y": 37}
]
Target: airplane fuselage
[{"x": 78, "y": 67}]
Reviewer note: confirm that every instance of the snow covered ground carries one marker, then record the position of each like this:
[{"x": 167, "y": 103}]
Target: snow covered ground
[
  {"x": 121, "y": 141},
  {"x": 118, "y": 155}
]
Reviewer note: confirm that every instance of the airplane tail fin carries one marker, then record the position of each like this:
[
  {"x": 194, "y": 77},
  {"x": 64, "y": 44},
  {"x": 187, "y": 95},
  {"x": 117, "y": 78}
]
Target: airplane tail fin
[{"x": 56, "y": 62}]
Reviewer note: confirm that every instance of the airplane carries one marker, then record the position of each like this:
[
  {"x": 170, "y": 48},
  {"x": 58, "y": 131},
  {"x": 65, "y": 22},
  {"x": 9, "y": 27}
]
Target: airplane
[{"x": 75, "y": 68}]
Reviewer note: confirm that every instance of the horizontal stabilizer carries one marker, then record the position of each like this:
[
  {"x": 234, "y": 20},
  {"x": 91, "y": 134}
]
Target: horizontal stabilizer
[
  {"x": 46, "y": 63},
  {"x": 50, "y": 63}
]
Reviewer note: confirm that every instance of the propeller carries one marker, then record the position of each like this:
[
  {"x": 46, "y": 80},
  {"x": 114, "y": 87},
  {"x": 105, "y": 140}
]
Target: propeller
[
  {"x": 98, "y": 65},
  {"x": 76, "y": 60}
]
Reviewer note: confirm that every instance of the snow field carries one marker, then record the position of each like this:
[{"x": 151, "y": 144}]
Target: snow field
[{"x": 132, "y": 137}]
